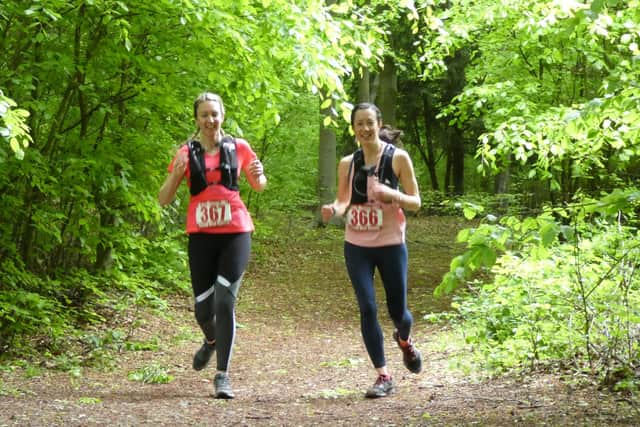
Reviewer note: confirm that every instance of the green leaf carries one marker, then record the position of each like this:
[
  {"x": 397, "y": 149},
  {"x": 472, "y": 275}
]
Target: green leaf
[
  {"x": 469, "y": 213},
  {"x": 326, "y": 104},
  {"x": 548, "y": 233}
]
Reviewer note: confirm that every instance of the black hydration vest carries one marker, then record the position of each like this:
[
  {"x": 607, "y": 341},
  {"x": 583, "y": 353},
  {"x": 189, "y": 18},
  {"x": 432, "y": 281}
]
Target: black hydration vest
[
  {"x": 360, "y": 173},
  {"x": 228, "y": 165}
]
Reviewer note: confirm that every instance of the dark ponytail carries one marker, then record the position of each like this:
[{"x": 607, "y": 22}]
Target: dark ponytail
[{"x": 390, "y": 135}]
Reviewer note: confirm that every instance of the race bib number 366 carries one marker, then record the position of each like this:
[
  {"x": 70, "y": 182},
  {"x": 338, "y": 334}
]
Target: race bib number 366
[
  {"x": 365, "y": 218},
  {"x": 213, "y": 214}
]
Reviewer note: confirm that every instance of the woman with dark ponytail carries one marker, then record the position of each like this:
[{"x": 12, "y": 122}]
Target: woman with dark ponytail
[{"x": 369, "y": 195}]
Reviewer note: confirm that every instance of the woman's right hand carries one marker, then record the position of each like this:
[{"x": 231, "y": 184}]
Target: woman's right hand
[
  {"x": 327, "y": 212},
  {"x": 180, "y": 163},
  {"x": 172, "y": 181}
]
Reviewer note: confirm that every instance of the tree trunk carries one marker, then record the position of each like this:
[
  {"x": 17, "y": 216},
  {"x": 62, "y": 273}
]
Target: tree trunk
[
  {"x": 429, "y": 131},
  {"x": 501, "y": 187},
  {"x": 452, "y": 86},
  {"x": 364, "y": 87},
  {"x": 326, "y": 155},
  {"x": 327, "y": 159},
  {"x": 388, "y": 91},
  {"x": 447, "y": 172},
  {"x": 456, "y": 142}
]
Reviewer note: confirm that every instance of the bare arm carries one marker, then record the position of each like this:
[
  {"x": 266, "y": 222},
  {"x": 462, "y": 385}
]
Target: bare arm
[
  {"x": 255, "y": 175},
  {"x": 403, "y": 168},
  {"x": 343, "y": 193},
  {"x": 171, "y": 183},
  {"x": 410, "y": 199}
]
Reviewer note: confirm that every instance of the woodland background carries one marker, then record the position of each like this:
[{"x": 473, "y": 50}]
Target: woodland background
[{"x": 522, "y": 116}]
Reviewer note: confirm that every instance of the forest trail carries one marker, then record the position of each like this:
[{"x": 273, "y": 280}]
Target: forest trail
[{"x": 299, "y": 359}]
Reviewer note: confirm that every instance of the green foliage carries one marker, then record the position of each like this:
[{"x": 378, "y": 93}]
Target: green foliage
[
  {"x": 557, "y": 293},
  {"x": 69, "y": 363},
  {"x": 344, "y": 363},
  {"x": 105, "y": 92},
  {"x": 86, "y": 400},
  {"x": 101, "y": 348},
  {"x": 552, "y": 83},
  {"x": 6, "y": 390},
  {"x": 13, "y": 127},
  {"x": 50, "y": 310},
  {"x": 578, "y": 305},
  {"x": 493, "y": 237},
  {"x": 290, "y": 156},
  {"x": 151, "y": 374},
  {"x": 24, "y": 313}
]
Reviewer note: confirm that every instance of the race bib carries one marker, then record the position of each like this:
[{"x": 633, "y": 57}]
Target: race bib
[
  {"x": 213, "y": 213},
  {"x": 365, "y": 218}
]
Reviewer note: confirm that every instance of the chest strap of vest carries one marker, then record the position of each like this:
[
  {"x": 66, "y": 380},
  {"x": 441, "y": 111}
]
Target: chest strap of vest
[
  {"x": 384, "y": 173},
  {"x": 228, "y": 165}
]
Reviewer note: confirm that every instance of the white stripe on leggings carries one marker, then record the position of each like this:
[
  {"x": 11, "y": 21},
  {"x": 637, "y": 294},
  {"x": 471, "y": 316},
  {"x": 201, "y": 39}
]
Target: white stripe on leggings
[
  {"x": 224, "y": 282},
  {"x": 203, "y": 296}
]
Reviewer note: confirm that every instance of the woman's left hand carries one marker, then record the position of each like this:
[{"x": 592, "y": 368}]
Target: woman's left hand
[
  {"x": 256, "y": 169},
  {"x": 382, "y": 192}
]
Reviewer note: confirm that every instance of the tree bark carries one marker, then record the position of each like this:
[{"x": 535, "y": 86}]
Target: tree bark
[
  {"x": 364, "y": 87},
  {"x": 456, "y": 143},
  {"x": 430, "y": 124},
  {"x": 388, "y": 91},
  {"x": 327, "y": 159}
]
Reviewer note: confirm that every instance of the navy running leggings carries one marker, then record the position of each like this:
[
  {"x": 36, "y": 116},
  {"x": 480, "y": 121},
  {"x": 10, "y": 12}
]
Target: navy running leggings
[
  {"x": 217, "y": 263},
  {"x": 392, "y": 263}
]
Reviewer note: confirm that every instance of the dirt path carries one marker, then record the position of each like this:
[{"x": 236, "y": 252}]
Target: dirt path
[{"x": 299, "y": 360}]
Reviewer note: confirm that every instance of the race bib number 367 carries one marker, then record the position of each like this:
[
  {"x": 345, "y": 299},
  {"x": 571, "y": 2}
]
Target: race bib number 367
[
  {"x": 213, "y": 214},
  {"x": 365, "y": 218}
]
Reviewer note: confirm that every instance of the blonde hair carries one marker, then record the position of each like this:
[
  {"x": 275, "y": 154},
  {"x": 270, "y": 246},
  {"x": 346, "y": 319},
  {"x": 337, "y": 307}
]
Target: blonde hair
[
  {"x": 204, "y": 97},
  {"x": 207, "y": 96}
]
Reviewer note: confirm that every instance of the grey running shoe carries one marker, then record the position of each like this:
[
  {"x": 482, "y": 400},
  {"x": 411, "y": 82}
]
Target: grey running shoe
[
  {"x": 381, "y": 388},
  {"x": 410, "y": 354},
  {"x": 222, "y": 386},
  {"x": 203, "y": 355}
]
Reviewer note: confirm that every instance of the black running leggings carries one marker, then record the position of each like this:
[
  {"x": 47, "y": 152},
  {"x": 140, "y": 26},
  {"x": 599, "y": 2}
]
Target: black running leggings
[
  {"x": 217, "y": 263},
  {"x": 392, "y": 263}
]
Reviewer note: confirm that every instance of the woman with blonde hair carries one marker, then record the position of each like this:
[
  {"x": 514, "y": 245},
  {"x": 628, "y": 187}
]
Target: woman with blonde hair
[{"x": 219, "y": 228}]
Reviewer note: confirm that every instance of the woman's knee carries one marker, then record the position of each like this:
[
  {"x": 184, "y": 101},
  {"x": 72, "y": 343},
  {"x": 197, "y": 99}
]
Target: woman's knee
[
  {"x": 368, "y": 310},
  {"x": 224, "y": 301},
  {"x": 402, "y": 320},
  {"x": 203, "y": 312}
]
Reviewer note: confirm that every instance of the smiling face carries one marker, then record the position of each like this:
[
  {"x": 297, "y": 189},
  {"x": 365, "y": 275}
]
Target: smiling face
[
  {"x": 209, "y": 117},
  {"x": 366, "y": 125}
]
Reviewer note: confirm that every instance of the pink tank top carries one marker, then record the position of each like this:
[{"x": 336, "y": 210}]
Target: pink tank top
[
  {"x": 375, "y": 223},
  {"x": 218, "y": 210}
]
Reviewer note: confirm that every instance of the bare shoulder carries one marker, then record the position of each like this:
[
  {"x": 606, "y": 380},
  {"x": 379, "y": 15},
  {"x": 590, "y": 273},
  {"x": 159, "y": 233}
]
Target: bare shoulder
[
  {"x": 346, "y": 159},
  {"x": 345, "y": 162},
  {"x": 401, "y": 153},
  {"x": 401, "y": 157},
  {"x": 402, "y": 164},
  {"x": 343, "y": 166},
  {"x": 241, "y": 143}
]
